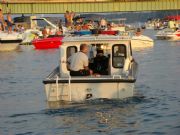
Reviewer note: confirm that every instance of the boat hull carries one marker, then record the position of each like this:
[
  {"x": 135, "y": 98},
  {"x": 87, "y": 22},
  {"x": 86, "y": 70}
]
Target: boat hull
[
  {"x": 169, "y": 37},
  {"x": 9, "y": 45},
  {"x": 47, "y": 43},
  {"x": 141, "y": 42},
  {"x": 79, "y": 92}
]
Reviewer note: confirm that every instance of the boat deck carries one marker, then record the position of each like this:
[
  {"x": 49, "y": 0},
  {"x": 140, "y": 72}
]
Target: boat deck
[{"x": 55, "y": 77}]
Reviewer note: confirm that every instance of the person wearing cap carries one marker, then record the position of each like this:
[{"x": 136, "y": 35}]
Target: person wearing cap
[{"x": 78, "y": 62}]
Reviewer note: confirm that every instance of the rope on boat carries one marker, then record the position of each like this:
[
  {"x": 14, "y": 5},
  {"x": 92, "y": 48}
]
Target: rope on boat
[
  {"x": 69, "y": 82},
  {"x": 57, "y": 88}
]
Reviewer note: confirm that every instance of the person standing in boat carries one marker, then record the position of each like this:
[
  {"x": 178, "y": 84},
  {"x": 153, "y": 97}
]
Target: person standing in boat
[
  {"x": 9, "y": 22},
  {"x": 66, "y": 18},
  {"x": 103, "y": 24},
  {"x": 78, "y": 63},
  {"x": 2, "y": 23}
]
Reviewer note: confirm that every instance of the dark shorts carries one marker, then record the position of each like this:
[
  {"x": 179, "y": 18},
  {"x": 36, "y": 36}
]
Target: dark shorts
[
  {"x": 80, "y": 73},
  {"x": 9, "y": 23}
]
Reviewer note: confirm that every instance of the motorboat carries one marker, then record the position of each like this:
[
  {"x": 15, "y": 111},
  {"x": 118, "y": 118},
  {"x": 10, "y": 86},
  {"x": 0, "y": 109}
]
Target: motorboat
[
  {"x": 37, "y": 24},
  {"x": 50, "y": 42},
  {"x": 10, "y": 41},
  {"x": 117, "y": 83},
  {"x": 141, "y": 41},
  {"x": 174, "y": 36},
  {"x": 168, "y": 34}
]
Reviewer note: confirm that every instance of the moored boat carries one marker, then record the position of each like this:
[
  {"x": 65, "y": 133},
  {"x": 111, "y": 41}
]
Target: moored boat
[
  {"x": 48, "y": 43},
  {"x": 117, "y": 83},
  {"x": 168, "y": 34},
  {"x": 141, "y": 41},
  {"x": 9, "y": 42},
  {"x": 174, "y": 36}
]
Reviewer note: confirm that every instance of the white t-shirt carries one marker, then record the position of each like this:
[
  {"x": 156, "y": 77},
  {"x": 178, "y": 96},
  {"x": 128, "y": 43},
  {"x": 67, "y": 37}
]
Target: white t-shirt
[{"x": 78, "y": 61}]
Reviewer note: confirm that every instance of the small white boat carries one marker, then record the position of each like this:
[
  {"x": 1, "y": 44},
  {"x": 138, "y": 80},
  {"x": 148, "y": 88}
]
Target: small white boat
[
  {"x": 117, "y": 83},
  {"x": 9, "y": 42},
  {"x": 168, "y": 34},
  {"x": 141, "y": 41},
  {"x": 175, "y": 36},
  {"x": 37, "y": 24},
  {"x": 149, "y": 25}
]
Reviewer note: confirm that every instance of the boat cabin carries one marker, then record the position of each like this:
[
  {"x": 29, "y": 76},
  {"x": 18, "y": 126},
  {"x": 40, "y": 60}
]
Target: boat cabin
[{"x": 116, "y": 50}]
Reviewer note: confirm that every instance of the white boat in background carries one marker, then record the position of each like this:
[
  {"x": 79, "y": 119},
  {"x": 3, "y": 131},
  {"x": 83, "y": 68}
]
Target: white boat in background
[
  {"x": 117, "y": 83},
  {"x": 168, "y": 34},
  {"x": 149, "y": 25},
  {"x": 37, "y": 24},
  {"x": 141, "y": 41},
  {"x": 9, "y": 42},
  {"x": 175, "y": 36}
]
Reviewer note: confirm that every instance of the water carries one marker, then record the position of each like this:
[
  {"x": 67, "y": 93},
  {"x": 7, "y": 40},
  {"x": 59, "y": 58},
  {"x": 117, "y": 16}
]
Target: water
[{"x": 154, "y": 110}]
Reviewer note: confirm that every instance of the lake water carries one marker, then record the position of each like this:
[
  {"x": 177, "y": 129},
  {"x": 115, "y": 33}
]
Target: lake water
[{"x": 154, "y": 110}]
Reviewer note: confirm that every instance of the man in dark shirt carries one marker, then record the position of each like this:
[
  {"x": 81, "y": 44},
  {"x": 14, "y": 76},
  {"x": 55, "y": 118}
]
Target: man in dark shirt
[{"x": 100, "y": 64}]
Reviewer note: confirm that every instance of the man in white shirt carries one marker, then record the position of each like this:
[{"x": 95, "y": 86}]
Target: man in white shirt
[{"x": 78, "y": 62}]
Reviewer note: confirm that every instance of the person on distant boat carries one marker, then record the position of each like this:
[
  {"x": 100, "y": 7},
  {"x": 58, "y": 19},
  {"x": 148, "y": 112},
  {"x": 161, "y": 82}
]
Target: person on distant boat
[
  {"x": 59, "y": 32},
  {"x": 78, "y": 63},
  {"x": 90, "y": 24},
  {"x": 2, "y": 22},
  {"x": 9, "y": 22},
  {"x": 44, "y": 32},
  {"x": 66, "y": 15},
  {"x": 103, "y": 24},
  {"x": 138, "y": 32},
  {"x": 109, "y": 26}
]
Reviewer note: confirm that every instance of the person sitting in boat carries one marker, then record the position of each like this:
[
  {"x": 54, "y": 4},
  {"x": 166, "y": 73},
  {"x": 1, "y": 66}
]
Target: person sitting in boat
[
  {"x": 109, "y": 26},
  {"x": 44, "y": 32},
  {"x": 78, "y": 62},
  {"x": 100, "y": 63},
  {"x": 120, "y": 51},
  {"x": 138, "y": 32}
]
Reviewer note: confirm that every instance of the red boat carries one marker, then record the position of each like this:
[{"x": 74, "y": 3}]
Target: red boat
[
  {"x": 173, "y": 17},
  {"x": 48, "y": 43},
  {"x": 109, "y": 32}
]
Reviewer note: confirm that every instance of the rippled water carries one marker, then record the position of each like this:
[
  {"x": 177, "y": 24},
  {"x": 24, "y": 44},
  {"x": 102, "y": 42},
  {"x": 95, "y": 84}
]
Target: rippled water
[{"x": 155, "y": 109}]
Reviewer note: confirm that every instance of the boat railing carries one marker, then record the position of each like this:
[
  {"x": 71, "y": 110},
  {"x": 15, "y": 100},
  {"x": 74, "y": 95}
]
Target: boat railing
[
  {"x": 54, "y": 73},
  {"x": 125, "y": 36}
]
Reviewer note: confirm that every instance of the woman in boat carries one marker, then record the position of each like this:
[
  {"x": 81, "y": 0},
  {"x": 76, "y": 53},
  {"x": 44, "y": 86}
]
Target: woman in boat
[{"x": 78, "y": 62}]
